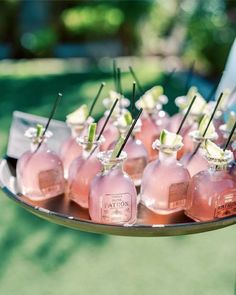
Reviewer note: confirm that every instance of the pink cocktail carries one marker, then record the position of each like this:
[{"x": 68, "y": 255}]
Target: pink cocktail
[
  {"x": 165, "y": 182},
  {"x": 212, "y": 193},
  {"x": 70, "y": 149},
  {"x": 82, "y": 171},
  {"x": 40, "y": 170},
  {"x": 113, "y": 197},
  {"x": 197, "y": 162}
]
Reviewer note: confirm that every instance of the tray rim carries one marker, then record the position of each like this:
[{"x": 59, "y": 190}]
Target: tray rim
[{"x": 138, "y": 230}]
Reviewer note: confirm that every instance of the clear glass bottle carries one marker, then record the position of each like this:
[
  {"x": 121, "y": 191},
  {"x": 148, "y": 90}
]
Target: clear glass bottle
[
  {"x": 70, "y": 149},
  {"x": 198, "y": 162},
  {"x": 165, "y": 182},
  {"x": 82, "y": 171},
  {"x": 148, "y": 133},
  {"x": 212, "y": 193},
  {"x": 40, "y": 174},
  {"x": 113, "y": 197}
]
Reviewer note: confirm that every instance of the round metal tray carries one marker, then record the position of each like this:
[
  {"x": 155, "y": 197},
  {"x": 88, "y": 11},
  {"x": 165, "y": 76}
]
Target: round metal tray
[{"x": 63, "y": 212}]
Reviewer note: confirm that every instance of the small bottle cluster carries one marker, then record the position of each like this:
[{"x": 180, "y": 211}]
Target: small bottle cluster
[{"x": 184, "y": 163}]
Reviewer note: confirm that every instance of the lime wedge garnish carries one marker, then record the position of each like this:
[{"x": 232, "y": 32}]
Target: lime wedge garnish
[
  {"x": 203, "y": 124},
  {"x": 156, "y": 92},
  {"x": 117, "y": 147},
  {"x": 198, "y": 105},
  {"x": 213, "y": 150},
  {"x": 91, "y": 135},
  {"x": 128, "y": 118},
  {"x": 170, "y": 139},
  {"x": 191, "y": 92},
  {"x": 39, "y": 130},
  {"x": 124, "y": 120},
  {"x": 79, "y": 116}
]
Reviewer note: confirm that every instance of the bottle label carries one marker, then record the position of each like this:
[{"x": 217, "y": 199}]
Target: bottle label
[
  {"x": 226, "y": 204},
  {"x": 178, "y": 195},
  {"x": 50, "y": 180},
  {"x": 134, "y": 167},
  {"x": 116, "y": 208}
]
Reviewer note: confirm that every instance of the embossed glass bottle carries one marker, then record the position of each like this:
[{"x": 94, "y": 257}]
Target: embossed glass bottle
[
  {"x": 82, "y": 171},
  {"x": 212, "y": 192},
  {"x": 165, "y": 181},
  {"x": 40, "y": 170},
  {"x": 112, "y": 197}
]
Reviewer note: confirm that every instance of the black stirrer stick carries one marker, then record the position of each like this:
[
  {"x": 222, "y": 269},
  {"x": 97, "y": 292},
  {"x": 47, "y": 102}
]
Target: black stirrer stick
[
  {"x": 133, "y": 98},
  {"x": 107, "y": 119},
  {"x": 189, "y": 76},
  {"x": 115, "y": 75},
  {"x": 186, "y": 114},
  {"x": 96, "y": 98},
  {"x": 55, "y": 105},
  {"x": 129, "y": 132},
  {"x": 230, "y": 136},
  {"x": 119, "y": 81},
  {"x": 205, "y": 131},
  {"x": 140, "y": 88}
]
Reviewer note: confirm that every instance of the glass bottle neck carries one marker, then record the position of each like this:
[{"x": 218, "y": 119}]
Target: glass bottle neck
[{"x": 167, "y": 158}]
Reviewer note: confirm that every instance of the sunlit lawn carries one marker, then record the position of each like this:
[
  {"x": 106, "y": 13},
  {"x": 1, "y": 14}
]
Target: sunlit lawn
[{"x": 41, "y": 258}]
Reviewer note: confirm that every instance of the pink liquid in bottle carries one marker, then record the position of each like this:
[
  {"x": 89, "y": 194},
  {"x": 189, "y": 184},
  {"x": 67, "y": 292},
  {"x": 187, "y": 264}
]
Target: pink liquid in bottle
[
  {"x": 212, "y": 193},
  {"x": 71, "y": 149},
  {"x": 39, "y": 171},
  {"x": 82, "y": 171},
  {"x": 165, "y": 182},
  {"x": 197, "y": 162},
  {"x": 113, "y": 197},
  {"x": 149, "y": 132}
]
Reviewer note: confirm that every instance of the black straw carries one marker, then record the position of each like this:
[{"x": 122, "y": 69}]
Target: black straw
[
  {"x": 133, "y": 98},
  {"x": 55, "y": 105},
  {"x": 189, "y": 76},
  {"x": 115, "y": 75},
  {"x": 140, "y": 88},
  {"x": 186, "y": 114},
  {"x": 107, "y": 119},
  {"x": 230, "y": 136},
  {"x": 119, "y": 81},
  {"x": 129, "y": 133},
  {"x": 96, "y": 98}
]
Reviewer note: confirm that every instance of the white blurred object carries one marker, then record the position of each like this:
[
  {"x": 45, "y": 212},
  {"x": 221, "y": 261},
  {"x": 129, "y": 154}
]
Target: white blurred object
[{"x": 228, "y": 79}]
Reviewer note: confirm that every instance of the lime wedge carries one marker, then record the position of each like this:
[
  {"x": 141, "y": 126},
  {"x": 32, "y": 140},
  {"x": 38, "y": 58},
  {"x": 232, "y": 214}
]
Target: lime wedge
[
  {"x": 91, "y": 135},
  {"x": 203, "y": 124},
  {"x": 169, "y": 138},
  {"x": 128, "y": 118},
  {"x": 198, "y": 105},
  {"x": 79, "y": 116},
  {"x": 117, "y": 147},
  {"x": 39, "y": 130},
  {"x": 213, "y": 150},
  {"x": 156, "y": 92},
  {"x": 191, "y": 92}
]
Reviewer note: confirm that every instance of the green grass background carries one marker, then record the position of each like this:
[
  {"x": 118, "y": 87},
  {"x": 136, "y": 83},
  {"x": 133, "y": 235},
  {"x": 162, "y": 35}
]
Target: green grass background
[{"x": 37, "y": 257}]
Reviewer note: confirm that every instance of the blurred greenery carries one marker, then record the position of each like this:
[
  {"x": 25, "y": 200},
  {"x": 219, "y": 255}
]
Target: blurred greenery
[
  {"x": 194, "y": 30},
  {"x": 37, "y": 257}
]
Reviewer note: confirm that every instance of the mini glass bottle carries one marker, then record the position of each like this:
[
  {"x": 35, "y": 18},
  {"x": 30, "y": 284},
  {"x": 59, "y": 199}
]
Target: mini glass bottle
[
  {"x": 70, "y": 149},
  {"x": 82, "y": 171},
  {"x": 137, "y": 156},
  {"x": 212, "y": 192},
  {"x": 39, "y": 171},
  {"x": 165, "y": 181},
  {"x": 196, "y": 163},
  {"x": 112, "y": 197}
]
